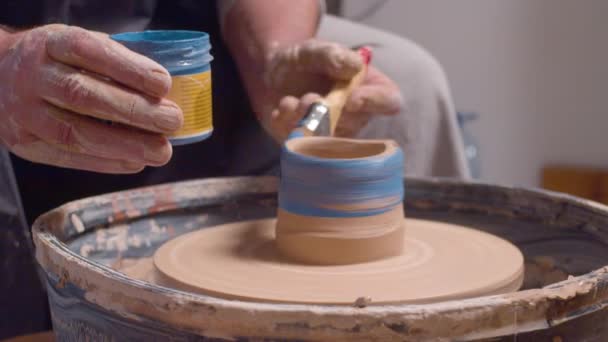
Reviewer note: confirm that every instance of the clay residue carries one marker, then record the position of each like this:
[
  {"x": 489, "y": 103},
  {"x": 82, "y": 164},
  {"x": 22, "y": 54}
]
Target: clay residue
[
  {"x": 542, "y": 271},
  {"x": 137, "y": 268}
]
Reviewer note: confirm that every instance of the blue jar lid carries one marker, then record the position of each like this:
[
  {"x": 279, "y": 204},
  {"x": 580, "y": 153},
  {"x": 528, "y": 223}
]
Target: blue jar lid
[{"x": 180, "y": 52}]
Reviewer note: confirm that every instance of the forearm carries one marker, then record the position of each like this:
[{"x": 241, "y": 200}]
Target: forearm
[
  {"x": 6, "y": 30},
  {"x": 5, "y": 43},
  {"x": 253, "y": 29},
  {"x": 5, "y": 38}
]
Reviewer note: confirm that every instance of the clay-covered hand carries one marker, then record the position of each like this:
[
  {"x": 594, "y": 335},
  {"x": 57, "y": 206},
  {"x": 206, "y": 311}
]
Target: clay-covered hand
[
  {"x": 298, "y": 75},
  {"x": 61, "y": 85}
]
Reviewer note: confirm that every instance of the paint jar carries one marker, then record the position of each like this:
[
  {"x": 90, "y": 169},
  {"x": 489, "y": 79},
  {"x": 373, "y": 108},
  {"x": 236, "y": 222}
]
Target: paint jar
[
  {"x": 340, "y": 200},
  {"x": 186, "y": 55}
]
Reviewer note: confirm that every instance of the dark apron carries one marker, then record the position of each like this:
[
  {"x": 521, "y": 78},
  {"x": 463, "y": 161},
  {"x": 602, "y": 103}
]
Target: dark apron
[{"x": 238, "y": 146}]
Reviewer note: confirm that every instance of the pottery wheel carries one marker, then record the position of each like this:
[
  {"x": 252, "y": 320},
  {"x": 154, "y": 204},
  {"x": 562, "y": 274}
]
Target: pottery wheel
[{"x": 440, "y": 262}]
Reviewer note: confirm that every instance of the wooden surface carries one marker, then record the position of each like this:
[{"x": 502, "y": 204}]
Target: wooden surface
[{"x": 585, "y": 182}]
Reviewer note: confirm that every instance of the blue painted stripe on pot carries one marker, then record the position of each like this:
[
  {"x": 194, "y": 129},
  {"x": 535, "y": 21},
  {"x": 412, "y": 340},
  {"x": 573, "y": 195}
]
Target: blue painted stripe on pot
[
  {"x": 296, "y": 133},
  {"x": 324, "y": 187}
]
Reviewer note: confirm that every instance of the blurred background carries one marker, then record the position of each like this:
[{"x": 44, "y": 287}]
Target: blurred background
[{"x": 529, "y": 77}]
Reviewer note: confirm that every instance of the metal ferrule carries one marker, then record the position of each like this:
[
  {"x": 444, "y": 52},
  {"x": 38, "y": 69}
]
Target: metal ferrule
[{"x": 316, "y": 119}]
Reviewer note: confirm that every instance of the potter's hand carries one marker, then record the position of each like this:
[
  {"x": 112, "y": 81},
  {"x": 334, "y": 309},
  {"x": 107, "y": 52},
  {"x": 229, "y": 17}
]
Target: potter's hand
[
  {"x": 58, "y": 81},
  {"x": 299, "y": 73}
]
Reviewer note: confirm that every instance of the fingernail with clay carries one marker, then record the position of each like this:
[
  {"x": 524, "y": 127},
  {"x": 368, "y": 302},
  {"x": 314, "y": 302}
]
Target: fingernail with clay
[
  {"x": 169, "y": 118},
  {"x": 132, "y": 166},
  {"x": 157, "y": 152}
]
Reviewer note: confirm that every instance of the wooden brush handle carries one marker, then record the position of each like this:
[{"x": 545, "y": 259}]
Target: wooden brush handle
[{"x": 339, "y": 94}]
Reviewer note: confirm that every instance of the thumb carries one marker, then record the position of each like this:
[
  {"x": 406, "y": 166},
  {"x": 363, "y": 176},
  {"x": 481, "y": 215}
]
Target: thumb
[
  {"x": 325, "y": 58},
  {"x": 377, "y": 95},
  {"x": 374, "y": 99}
]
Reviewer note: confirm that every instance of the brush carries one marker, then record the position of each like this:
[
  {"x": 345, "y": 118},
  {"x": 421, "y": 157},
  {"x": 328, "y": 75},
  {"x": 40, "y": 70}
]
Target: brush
[{"x": 323, "y": 116}]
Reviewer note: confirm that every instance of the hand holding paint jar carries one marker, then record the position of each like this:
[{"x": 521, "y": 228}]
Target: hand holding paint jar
[
  {"x": 186, "y": 55},
  {"x": 61, "y": 85}
]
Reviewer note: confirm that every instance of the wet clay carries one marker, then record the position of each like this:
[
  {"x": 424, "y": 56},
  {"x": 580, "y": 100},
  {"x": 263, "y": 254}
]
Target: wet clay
[
  {"x": 340, "y": 200},
  {"x": 440, "y": 261},
  {"x": 331, "y": 241}
]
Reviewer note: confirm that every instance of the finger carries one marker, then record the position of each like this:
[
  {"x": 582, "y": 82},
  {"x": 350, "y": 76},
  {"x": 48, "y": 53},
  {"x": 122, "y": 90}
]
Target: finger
[
  {"x": 378, "y": 95},
  {"x": 304, "y": 105},
  {"x": 84, "y": 135},
  {"x": 12, "y": 134},
  {"x": 289, "y": 112},
  {"x": 374, "y": 100},
  {"x": 282, "y": 116},
  {"x": 100, "y": 54},
  {"x": 351, "y": 123},
  {"x": 286, "y": 111},
  {"x": 39, "y": 151},
  {"x": 87, "y": 94},
  {"x": 330, "y": 59}
]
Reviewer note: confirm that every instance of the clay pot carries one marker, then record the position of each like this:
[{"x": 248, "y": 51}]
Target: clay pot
[{"x": 340, "y": 200}]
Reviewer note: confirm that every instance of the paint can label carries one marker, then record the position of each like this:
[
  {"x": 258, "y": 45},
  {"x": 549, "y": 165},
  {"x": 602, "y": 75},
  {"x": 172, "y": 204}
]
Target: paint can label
[{"x": 193, "y": 94}]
